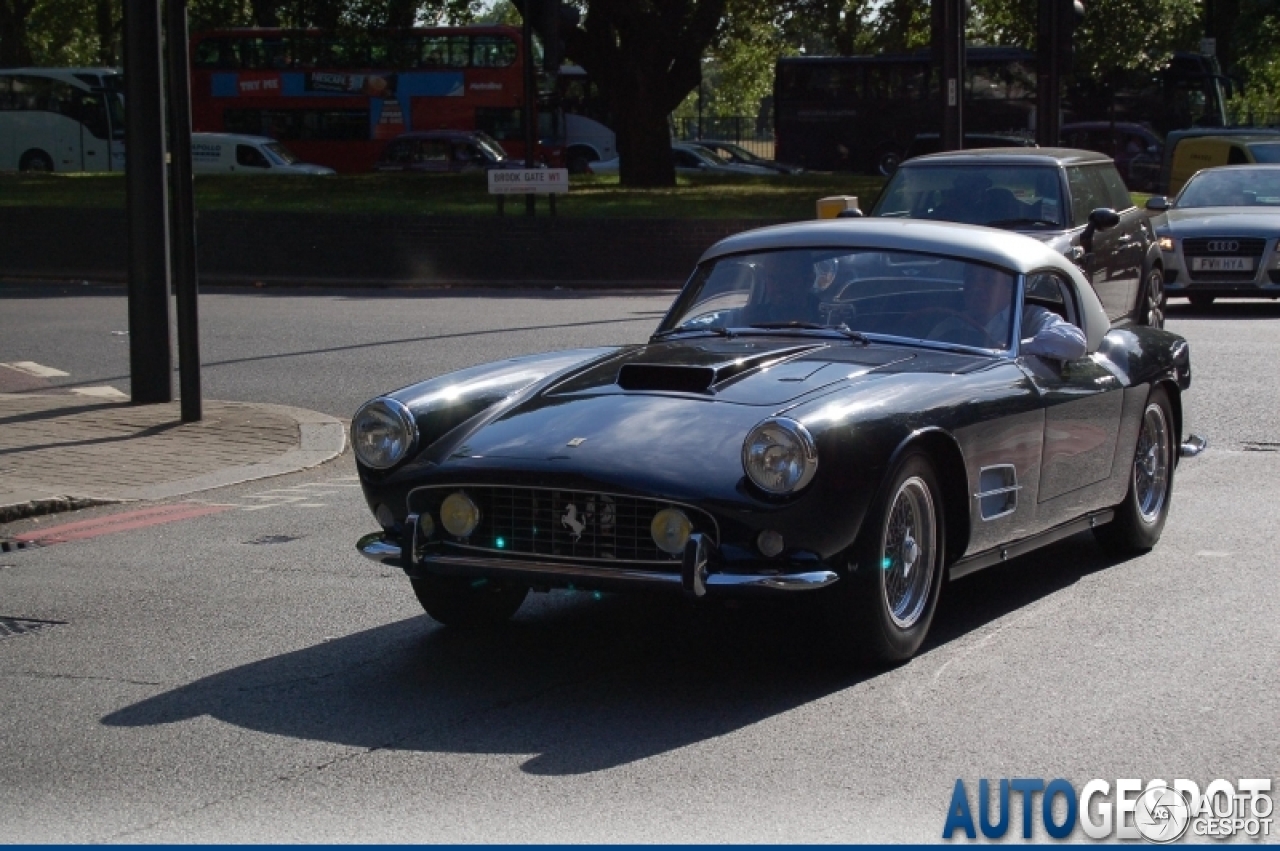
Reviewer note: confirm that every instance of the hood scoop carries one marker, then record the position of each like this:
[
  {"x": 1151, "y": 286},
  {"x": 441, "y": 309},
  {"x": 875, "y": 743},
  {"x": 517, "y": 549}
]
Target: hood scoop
[{"x": 702, "y": 378}]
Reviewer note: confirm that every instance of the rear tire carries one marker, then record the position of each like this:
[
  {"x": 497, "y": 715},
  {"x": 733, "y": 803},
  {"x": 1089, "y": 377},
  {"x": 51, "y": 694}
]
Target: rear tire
[
  {"x": 35, "y": 160},
  {"x": 467, "y": 603},
  {"x": 1140, "y": 518},
  {"x": 1152, "y": 301},
  {"x": 882, "y": 610}
]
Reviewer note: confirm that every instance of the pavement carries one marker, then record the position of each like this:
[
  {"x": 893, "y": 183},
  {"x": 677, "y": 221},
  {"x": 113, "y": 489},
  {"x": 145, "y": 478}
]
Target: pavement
[{"x": 63, "y": 451}]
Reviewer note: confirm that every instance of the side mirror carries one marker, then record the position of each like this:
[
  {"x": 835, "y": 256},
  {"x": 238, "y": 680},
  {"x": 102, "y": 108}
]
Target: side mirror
[
  {"x": 1099, "y": 220},
  {"x": 1157, "y": 203},
  {"x": 1103, "y": 218},
  {"x": 851, "y": 213}
]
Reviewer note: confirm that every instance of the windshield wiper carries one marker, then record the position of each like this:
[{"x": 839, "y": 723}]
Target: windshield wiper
[
  {"x": 1009, "y": 223},
  {"x": 813, "y": 326},
  {"x": 709, "y": 329}
]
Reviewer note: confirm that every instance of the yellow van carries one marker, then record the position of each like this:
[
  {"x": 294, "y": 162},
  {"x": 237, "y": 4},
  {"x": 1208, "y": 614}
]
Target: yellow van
[{"x": 1193, "y": 153}]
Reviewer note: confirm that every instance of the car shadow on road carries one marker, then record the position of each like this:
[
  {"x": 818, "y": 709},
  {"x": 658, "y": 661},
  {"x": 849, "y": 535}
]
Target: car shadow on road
[
  {"x": 1224, "y": 309},
  {"x": 582, "y": 682}
]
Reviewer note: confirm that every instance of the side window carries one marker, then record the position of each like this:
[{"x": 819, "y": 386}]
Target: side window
[
  {"x": 1083, "y": 200},
  {"x": 1237, "y": 156},
  {"x": 250, "y": 157},
  {"x": 684, "y": 159},
  {"x": 397, "y": 153},
  {"x": 1048, "y": 289},
  {"x": 1117, "y": 194}
]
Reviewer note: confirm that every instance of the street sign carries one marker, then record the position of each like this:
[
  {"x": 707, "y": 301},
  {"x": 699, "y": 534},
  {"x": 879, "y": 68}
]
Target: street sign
[{"x": 528, "y": 181}]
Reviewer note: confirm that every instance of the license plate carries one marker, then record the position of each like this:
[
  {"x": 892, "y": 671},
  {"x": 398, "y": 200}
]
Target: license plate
[{"x": 1222, "y": 264}]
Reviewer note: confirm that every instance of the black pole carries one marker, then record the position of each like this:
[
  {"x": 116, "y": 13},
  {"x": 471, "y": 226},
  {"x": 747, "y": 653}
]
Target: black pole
[
  {"x": 182, "y": 237},
  {"x": 1049, "y": 21},
  {"x": 150, "y": 364},
  {"x": 530, "y": 93},
  {"x": 953, "y": 48}
]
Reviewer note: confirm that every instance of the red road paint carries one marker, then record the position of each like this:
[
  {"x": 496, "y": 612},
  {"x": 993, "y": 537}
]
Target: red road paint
[{"x": 123, "y": 522}]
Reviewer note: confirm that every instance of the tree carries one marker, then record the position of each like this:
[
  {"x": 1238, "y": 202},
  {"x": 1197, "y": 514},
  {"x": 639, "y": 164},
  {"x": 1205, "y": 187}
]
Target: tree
[{"x": 645, "y": 56}]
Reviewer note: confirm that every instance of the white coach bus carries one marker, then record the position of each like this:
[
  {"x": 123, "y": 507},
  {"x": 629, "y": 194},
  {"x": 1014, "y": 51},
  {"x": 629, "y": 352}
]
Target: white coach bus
[{"x": 61, "y": 119}]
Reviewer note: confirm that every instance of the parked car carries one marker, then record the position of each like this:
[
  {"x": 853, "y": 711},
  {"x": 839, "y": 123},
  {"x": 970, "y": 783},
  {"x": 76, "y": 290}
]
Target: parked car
[
  {"x": 1137, "y": 149},
  {"x": 1220, "y": 236},
  {"x": 690, "y": 158},
  {"x": 444, "y": 151},
  {"x": 1072, "y": 200},
  {"x": 233, "y": 153},
  {"x": 1188, "y": 151},
  {"x": 839, "y": 451},
  {"x": 931, "y": 143},
  {"x": 732, "y": 152}
]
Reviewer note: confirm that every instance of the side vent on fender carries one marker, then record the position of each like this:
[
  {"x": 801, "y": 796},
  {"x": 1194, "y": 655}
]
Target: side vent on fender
[{"x": 997, "y": 491}]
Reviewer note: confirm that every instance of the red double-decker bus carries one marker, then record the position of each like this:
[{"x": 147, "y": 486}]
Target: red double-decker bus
[{"x": 336, "y": 99}]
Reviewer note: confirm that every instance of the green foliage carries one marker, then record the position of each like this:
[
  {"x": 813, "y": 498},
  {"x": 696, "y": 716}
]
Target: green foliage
[
  {"x": 1103, "y": 42},
  {"x": 1257, "y": 34}
]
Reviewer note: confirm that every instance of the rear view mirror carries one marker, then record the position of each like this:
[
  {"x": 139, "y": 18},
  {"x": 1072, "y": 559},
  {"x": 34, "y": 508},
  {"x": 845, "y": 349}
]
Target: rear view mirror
[{"x": 1157, "y": 203}]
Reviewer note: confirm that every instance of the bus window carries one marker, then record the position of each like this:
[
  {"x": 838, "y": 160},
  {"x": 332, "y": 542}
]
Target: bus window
[
  {"x": 501, "y": 123},
  {"x": 492, "y": 51}
]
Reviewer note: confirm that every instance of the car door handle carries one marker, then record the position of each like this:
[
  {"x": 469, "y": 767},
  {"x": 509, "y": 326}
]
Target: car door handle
[{"x": 1128, "y": 237}]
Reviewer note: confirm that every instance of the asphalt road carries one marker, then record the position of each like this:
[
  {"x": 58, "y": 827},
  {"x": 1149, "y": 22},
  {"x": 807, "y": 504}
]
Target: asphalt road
[{"x": 246, "y": 676}]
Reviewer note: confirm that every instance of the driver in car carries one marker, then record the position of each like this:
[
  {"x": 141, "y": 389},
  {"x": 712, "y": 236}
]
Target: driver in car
[
  {"x": 984, "y": 321},
  {"x": 784, "y": 290}
]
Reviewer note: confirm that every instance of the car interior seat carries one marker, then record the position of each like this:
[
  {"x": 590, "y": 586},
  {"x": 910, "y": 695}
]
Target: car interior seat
[{"x": 999, "y": 204}]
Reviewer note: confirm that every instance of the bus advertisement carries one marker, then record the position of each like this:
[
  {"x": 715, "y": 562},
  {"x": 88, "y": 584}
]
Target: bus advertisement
[
  {"x": 61, "y": 119},
  {"x": 860, "y": 113},
  {"x": 337, "y": 99}
]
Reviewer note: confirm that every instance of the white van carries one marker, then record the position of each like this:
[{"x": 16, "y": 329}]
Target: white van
[{"x": 231, "y": 153}]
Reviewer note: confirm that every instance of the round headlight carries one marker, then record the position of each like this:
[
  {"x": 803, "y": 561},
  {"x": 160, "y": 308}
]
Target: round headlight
[
  {"x": 459, "y": 515},
  {"x": 779, "y": 455},
  {"x": 670, "y": 529},
  {"x": 382, "y": 433}
]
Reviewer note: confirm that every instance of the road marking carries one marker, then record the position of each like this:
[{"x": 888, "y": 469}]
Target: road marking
[
  {"x": 33, "y": 368},
  {"x": 123, "y": 522},
  {"x": 1214, "y": 554},
  {"x": 106, "y": 391}
]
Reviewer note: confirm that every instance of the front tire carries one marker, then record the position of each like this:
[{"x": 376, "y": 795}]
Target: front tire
[
  {"x": 883, "y": 611},
  {"x": 1140, "y": 518},
  {"x": 467, "y": 603}
]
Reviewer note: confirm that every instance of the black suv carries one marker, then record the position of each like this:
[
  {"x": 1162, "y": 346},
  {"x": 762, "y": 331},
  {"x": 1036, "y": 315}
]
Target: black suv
[{"x": 1075, "y": 201}]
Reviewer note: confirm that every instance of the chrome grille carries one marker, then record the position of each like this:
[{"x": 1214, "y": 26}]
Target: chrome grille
[
  {"x": 560, "y": 523},
  {"x": 1244, "y": 247}
]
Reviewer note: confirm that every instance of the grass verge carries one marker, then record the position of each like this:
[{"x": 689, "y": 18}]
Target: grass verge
[{"x": 595, "y": 196}]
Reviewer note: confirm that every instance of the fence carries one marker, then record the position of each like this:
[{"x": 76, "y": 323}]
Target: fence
[{"x": 751, "y": 132}]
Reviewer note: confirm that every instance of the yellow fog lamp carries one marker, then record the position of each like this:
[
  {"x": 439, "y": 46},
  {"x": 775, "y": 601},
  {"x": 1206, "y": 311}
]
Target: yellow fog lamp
[
  {"x": 671, "y": 530},
  {"x": 459, "y": 515}
]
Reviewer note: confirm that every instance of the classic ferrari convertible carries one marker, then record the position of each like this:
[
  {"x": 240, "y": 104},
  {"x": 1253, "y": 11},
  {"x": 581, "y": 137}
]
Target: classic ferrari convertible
[{"x": 846, "y": 409}]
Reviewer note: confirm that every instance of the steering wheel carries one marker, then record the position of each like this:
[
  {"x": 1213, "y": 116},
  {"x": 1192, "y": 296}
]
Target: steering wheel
[{"x": 947, "y": 313}]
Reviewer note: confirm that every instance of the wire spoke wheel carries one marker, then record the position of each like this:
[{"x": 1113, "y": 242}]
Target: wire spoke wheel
[
  {"x": 907, "y": 550},
  {"x": 1154, "y": 306},
  {"x": 1151, "y": 464}
]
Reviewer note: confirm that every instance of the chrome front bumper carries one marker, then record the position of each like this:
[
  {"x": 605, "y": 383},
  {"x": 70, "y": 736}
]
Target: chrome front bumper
[{"x": 696, "y": 575}]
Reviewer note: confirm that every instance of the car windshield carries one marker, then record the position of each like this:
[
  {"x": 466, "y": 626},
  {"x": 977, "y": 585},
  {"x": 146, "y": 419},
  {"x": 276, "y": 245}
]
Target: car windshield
[
  {"x": 889, "y": 294},
  {"x": 1232, "y": 187},
  {"x": 1010, "y": 196},
  {"x": 281, "y": 153},
  {"x": 1266, "y": 152},
  {"x": 490, "y": 147}
]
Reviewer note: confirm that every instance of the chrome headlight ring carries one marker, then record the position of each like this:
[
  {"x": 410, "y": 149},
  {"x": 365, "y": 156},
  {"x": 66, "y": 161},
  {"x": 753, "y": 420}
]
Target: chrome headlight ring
[
  {"x": 383, "y": 432},
  {"x": 780, "y": 456}
]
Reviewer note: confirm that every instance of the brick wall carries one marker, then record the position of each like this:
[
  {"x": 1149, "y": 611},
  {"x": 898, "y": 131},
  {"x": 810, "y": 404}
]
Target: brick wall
[{"x": 369, "y": 249}]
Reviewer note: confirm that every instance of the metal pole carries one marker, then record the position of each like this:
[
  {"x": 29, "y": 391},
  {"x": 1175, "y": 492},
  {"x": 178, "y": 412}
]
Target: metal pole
[
  {"x": 530, "y": 92},
  {"x": 182, "y": 242},
  {"x": 953, "y": 50},
  {"x": 150, "y": 363}
]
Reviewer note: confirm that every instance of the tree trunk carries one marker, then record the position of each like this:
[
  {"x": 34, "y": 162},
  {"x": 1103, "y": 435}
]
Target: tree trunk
[
  {"x": 14, "y": 51},
  {"x": 106, "y": 33},
  {"x": 644, "y": 144}
]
